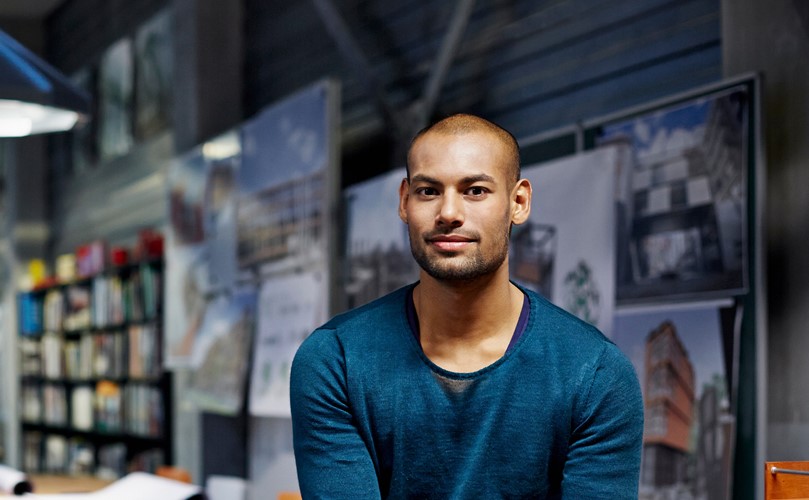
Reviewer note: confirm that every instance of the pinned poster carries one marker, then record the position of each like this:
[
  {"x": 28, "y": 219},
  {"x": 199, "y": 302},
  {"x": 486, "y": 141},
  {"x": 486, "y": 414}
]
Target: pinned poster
[
  {"x": 683, "y": 357},
  {"x": 201, "y": 240},
  {"x": 220, "y": 355},
  {"x": 292, "y": 306},
  {"x": 287, "y": 184},
  {"x": 378, "y": 257},
  {"x": 566, "y": 249}
]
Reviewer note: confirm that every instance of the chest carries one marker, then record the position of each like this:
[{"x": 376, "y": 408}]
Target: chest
[{"x": 426, "y": 410}]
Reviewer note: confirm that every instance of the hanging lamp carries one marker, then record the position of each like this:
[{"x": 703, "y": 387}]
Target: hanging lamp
[{"x": 35, "y": 98}]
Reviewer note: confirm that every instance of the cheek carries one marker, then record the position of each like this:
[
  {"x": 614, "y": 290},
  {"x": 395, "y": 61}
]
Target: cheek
[
  {"x": 419, "y": 214},
  {"x": 496, "y": 216}
]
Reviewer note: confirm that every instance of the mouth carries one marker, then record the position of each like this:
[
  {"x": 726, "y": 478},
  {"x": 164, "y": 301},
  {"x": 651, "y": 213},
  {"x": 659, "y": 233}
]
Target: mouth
[{"x": 450, "y": 242}]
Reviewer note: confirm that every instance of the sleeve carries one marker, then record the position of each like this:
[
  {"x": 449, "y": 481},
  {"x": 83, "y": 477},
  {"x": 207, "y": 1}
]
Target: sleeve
[
  {"x": 604, "y": 453},
  {"x": 331, "y": 457}
]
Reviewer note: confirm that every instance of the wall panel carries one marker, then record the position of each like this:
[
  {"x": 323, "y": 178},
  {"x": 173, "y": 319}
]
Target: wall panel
[
  {"x": 535, "y": 66},
  {"x": 80, "y": 30},
  {"x": 114, "y": 202}
]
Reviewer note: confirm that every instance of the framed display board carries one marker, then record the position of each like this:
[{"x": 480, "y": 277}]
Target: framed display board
[
  {"x": 688, "y": 215},
  {"x": 683, "y": 201},
  {"x": 692, "y": 229}
]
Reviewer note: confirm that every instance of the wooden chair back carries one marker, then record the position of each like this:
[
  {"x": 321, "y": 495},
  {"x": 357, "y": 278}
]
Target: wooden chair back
[{"x": 786, "y": 480}]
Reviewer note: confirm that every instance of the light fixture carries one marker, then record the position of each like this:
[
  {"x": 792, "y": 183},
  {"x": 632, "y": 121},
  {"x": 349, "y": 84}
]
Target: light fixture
[{"x": 35, "y": 98}]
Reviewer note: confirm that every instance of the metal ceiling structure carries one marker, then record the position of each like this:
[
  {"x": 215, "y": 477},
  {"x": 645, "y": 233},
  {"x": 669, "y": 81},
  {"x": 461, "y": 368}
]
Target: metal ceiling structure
[
  {"x": 404, "y": 122},
  {"x": 27, "y": 9}
]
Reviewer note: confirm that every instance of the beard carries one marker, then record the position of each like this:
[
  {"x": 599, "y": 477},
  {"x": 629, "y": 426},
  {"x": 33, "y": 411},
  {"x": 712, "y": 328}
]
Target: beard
[{"x": 460, "y": 267}]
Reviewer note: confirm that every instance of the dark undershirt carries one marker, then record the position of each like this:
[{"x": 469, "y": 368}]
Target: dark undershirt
[{"x": 413, "y": 320}]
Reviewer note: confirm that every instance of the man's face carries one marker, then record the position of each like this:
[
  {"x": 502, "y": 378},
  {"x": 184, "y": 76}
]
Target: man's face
[{"x": 459, "y": 204}]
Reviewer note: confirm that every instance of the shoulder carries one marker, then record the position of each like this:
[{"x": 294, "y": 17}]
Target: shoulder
[
  {"x": 382, "y": 309},
  {"x": 577, "y": 347},
  {"x": 358, "y": 329},
  {"x": 553, "y": 326}
]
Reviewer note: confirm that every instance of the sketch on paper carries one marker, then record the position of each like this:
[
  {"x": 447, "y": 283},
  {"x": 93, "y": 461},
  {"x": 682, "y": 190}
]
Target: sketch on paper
[
  {"x": 292, "y": 306},
  {"x": 565, "y": 251}
]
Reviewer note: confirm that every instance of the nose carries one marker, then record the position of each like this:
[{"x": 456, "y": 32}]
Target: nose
[{"x": 450, "y": 212}]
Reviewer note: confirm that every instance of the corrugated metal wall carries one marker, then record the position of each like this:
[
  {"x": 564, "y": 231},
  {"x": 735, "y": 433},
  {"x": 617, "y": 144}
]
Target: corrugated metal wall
[{"x": 530, "y": 65}]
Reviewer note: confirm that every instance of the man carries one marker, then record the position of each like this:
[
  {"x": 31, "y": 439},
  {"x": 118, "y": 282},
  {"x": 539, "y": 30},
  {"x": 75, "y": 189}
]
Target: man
[{"x": 464, "y": 385}]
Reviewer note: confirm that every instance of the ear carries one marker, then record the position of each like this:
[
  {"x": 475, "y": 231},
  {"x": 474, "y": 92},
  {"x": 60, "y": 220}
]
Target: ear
[
  {"x": 521, "y": 201},
  {"x": 404, "y": 194}
]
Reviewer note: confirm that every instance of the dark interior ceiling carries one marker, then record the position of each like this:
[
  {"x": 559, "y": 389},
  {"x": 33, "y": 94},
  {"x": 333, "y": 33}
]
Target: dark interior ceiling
[{"x": 27, "y": 9}]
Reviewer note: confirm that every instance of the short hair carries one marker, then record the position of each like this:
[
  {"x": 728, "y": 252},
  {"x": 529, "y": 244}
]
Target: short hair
[{"x": 462, "y": 123}]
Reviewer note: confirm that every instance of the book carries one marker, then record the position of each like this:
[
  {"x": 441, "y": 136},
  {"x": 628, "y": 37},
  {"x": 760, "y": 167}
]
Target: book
[
  {"x": 81, "y": 457},
  {"x": 108, "y": 409},
  {"x": 53, "y": 310},
  {"x": 144, "y": 350},
  {"x": 30, "y": 314},
  {"x": 30, "y": 357},
  {"x": 54, "y": 410},
  {"x": 144, "y": 410},
  {"x": 55, "y": 454},
  {"x": 77, "y": 308},
  {"x": 111, "y": 461},
  {"x": 51, "y": 350},
  {"x": 81, "y": 408},
  {"x": 32, "y": 451}
]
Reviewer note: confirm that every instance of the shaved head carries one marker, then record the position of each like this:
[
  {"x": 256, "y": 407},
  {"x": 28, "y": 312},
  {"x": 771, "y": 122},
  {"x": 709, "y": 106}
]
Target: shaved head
[{"x": 461, "y": 124}]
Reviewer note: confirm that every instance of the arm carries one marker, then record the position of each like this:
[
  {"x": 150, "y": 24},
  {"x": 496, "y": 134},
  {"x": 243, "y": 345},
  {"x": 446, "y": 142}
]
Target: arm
[
  {"x": 604, "y": 455},
  {"x": 331, "y": 457}
]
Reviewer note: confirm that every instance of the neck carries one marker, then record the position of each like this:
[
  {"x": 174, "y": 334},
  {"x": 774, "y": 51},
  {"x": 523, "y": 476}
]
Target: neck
[{"x": 466, "y": 326}]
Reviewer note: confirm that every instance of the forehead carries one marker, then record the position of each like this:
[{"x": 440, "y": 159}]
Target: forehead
[{"x": 467, "y": 153}]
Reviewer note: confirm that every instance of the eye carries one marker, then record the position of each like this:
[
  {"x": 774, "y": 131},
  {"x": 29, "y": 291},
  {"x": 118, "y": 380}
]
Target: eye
[
  {"x": 427, "y": 191},
  {"x": 477, "y": 191}
]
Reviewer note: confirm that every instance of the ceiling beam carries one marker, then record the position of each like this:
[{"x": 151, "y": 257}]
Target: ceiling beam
[
  {"x": 403, "y": 123},
  {"x": 449, "y": 48},
  {"x": 352, "y": 52}
]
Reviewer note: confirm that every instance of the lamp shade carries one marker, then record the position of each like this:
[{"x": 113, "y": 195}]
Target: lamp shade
[{"x": 35, "y": 98}]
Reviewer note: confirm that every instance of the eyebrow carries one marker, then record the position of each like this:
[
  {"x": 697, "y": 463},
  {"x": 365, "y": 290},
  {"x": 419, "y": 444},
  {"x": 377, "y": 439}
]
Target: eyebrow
[{"x": 471, "y": 179}]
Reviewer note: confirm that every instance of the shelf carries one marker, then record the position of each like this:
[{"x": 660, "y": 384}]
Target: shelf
[
  {"x": 91, "y": 435},
  {"x": 39, "y": 379},
  {"x": 105, "y": 369}
]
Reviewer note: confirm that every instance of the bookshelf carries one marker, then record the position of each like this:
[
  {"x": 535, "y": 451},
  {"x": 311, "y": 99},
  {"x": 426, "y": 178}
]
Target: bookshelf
[{"x": 94, "y": 397}]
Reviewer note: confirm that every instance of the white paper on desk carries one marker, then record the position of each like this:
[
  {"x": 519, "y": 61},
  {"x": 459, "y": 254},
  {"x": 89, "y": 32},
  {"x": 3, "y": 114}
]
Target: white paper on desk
[
  {"x": 56, "y": 496},
  {"x": 135, "y": 486},
  {"x": 10, "y": 478}
]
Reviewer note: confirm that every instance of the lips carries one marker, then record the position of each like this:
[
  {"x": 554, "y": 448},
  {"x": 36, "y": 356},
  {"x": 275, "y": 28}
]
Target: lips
[{"x": 450, "y": 242}]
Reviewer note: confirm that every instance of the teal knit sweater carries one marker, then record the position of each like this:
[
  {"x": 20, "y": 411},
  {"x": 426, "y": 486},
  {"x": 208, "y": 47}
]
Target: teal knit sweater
[{"x": 560, "y": 415}]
